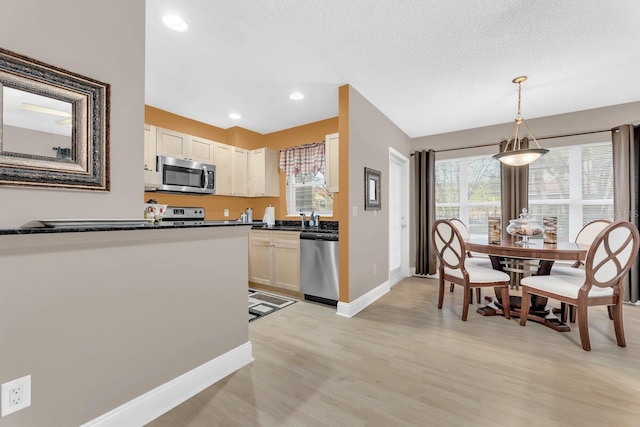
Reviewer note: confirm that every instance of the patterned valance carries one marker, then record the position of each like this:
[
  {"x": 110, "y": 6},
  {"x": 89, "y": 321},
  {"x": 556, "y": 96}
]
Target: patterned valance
[{"x": 303, "y": 159}]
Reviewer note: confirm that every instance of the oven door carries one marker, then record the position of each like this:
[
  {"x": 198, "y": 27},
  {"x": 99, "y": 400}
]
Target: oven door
[{"x": 184, "y": 176}]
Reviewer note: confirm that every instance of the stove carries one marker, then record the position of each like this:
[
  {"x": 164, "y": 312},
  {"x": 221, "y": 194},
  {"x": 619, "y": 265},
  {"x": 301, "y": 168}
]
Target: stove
[{"x": 179, "y": 215}]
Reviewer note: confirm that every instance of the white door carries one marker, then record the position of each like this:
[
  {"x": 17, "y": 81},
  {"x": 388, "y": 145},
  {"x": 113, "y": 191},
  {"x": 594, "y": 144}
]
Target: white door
[{"x": 398, "y": 216}]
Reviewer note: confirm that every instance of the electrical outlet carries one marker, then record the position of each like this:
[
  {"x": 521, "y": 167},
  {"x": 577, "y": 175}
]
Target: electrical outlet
[
  {"x": 226, "y": 212},
  {"x": 16, "y": 395}
]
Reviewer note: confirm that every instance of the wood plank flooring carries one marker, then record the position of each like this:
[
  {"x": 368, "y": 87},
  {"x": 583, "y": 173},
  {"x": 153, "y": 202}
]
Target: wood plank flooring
[{"x": 403, "y": 362}]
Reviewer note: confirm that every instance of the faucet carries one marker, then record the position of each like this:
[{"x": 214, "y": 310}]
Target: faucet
[{"x": 302, "y": 217}]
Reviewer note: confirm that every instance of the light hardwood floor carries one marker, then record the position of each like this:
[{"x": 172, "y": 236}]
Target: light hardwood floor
[{"x": 403, "y": 362}]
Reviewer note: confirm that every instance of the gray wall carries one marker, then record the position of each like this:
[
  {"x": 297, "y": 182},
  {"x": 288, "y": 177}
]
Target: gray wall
[
  {"x": 371, "y": 134},
  {"x": 103, "y": 40},
  {"x": 100, "y": 318}
]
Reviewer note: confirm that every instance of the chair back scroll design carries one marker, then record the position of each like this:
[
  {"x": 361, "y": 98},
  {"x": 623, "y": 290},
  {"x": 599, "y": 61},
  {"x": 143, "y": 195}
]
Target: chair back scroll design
[
  {"x": 610, "y": 256},
  {"x": 449, "y": 245}
]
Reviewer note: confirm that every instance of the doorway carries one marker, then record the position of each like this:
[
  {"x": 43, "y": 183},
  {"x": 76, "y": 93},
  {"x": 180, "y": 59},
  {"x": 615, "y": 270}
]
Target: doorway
[{"x": 398, "y": 216}]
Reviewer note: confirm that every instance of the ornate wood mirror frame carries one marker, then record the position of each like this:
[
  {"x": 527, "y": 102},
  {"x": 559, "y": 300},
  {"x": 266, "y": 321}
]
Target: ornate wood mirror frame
[{"x": 41, "y": 105}]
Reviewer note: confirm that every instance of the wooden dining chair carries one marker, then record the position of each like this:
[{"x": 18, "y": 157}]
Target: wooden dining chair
[
  {"x": 453, "y": 267},
  {"x": 600, "y": 282},
  {"x": 586, "y": 236}
]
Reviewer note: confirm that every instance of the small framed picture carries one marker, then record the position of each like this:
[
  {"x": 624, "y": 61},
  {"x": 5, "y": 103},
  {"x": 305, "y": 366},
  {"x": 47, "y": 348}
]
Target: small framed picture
[{"x": 372, "y": 190}]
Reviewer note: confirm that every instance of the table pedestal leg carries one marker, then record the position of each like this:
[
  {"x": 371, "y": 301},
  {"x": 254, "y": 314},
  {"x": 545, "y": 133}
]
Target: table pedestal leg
[{"x": 537, "y": 313}]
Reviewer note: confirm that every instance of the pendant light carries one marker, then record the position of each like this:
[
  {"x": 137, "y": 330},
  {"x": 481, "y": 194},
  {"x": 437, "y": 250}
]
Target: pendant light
[{"x": 514, "y": 154}]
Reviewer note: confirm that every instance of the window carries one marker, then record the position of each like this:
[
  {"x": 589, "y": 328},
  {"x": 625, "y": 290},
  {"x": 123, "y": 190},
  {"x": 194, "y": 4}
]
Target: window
[
  {"x": 308, "y": 193},
  {"x": 574, "y": 183},
  {"x": 304, "y": 166},
  {"x": 468, "y": 188}
]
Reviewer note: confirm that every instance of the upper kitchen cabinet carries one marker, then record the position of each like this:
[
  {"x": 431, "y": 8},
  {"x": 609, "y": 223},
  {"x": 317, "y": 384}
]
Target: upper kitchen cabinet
[
  {"x": 201, "y": 150},
  {"x": 264, "y": 180},
  {"x": 332, "y": 146},
  {"x": 182, "y": 146},
  {"x": 149, "y": 148},
  {"x": 152, "y": 178},
  {"x": 231, "y": 170}
]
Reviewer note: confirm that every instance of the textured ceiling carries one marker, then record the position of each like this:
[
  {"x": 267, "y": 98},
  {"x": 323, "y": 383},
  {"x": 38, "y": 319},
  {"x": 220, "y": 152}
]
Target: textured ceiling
[{"x": 430, "y": 66}]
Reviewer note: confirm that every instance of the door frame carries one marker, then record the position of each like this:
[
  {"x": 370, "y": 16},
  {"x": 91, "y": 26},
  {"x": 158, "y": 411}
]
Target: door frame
[{"x": 398, "y": 158}]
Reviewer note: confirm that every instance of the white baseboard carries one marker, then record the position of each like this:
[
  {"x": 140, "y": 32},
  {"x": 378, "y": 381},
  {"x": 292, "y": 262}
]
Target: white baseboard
[
  {"x": 149, "y": 406},
  {"x": 393, "y": 281},
  {"x": 356, "y": 306}
]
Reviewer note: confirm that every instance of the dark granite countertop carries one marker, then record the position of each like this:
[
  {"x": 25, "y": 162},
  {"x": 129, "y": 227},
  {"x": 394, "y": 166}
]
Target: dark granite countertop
[
  {"x": 80, "y": 229},
  {"x": 325, "y": 227}
]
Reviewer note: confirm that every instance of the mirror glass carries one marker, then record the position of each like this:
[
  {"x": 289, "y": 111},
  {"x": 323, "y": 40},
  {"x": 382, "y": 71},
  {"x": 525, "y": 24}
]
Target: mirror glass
[
  {"x": 54, "y": 126},
  {"x": 36, "y": 125}
]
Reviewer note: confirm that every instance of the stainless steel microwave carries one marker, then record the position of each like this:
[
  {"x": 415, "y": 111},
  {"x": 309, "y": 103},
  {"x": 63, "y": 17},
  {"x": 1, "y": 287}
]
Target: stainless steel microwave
[{"x": 186, "y": 176}]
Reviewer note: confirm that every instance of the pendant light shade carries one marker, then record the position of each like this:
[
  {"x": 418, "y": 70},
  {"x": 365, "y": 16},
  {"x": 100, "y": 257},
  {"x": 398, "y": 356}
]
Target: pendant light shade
[{"x": 514, "y": 154}]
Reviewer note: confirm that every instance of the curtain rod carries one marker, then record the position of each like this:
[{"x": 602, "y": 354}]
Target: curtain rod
[{"x": 539, "y": 139}]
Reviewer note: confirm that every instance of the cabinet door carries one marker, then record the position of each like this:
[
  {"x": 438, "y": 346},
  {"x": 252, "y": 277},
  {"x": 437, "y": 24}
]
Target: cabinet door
[
  {"x": 223, "y": 159},
  {"x": 201, "y": 150},
  {"x": 286, "y": 260},
  {"x": 257, "y": 172},
  {"x": 172, "y": 144},
  {"x": 264, "y": 180},
  {"x": 260, "y": 257},
  {"x": 332, "y": 147},
  {"x": 149, "y": 148},
  {"x": 239, "y": 174}
]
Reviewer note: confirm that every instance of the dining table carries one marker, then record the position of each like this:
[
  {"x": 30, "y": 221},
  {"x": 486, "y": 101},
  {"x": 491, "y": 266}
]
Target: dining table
[{"x": 544, "y": 255}]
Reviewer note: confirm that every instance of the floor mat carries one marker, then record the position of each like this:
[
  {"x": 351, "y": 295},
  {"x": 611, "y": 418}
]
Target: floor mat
[{"x": 262, "y": 303}]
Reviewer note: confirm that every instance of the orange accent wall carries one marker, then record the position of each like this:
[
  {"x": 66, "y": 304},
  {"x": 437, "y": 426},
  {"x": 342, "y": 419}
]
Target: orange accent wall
[
  {"x": 239, "y": 137},
  {"x": 156, "y": 117},
  {"x": 341, "y": 211},
  {"x": 305, "y": 134}
]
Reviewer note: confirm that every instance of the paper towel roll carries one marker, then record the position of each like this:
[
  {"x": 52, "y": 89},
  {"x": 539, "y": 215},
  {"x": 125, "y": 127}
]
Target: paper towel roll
[{"x": 269, "y": 216}]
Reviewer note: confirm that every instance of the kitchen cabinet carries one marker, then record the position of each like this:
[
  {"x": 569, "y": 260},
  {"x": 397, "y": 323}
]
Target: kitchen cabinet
[
  {"x": 149, "y": 148},
  {"x": 274, "y": 258},
  {"x": 264, "y": 180},
  {"x": 332, "y": 158},
  {"x": 182, "y": 146},
  {"x": 201, "y": 150},
  {"x": 152, "y": 178},
  {"x": 231, "y": 170}
]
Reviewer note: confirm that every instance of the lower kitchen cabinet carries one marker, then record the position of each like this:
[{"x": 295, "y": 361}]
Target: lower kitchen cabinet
[{"x": 274, "y": 258}]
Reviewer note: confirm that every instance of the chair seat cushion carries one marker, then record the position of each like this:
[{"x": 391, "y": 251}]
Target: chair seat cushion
[
  {"x": 566, "y": 285},
  {"x": 568, "y": 271},
  {"x": 478, "y": 262},
  {"x": 479, "y": 274}
]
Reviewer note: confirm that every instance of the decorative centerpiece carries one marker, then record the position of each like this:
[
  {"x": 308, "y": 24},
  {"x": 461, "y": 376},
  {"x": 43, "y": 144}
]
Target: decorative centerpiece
[{"x": 525, "y": 227}]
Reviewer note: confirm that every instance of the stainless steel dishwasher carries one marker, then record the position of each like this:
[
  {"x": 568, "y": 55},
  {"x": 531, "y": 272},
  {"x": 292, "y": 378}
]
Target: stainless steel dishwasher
[{"x": 319, "y": 266}]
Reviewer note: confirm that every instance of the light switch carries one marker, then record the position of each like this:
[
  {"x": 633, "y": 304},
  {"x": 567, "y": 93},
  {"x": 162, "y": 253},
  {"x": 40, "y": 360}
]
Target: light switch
[{"x": 354, "y": 211}]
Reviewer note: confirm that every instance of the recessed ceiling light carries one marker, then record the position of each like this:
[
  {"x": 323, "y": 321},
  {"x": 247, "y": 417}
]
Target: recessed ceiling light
[
  {"x": 235, "y": 116},
  {"x": 296, "y": 96},
  {"x": 175, "y": 23}
]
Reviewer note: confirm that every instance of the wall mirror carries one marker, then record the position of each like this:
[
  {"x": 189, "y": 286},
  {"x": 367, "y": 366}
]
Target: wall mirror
[
  {"x": 372, "y": 200},
  {"x": 54, "y": 126}
]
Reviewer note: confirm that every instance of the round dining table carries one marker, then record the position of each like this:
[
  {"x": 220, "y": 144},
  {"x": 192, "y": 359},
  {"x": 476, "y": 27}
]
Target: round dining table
[{"x": 535, "y": 249}]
